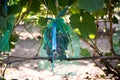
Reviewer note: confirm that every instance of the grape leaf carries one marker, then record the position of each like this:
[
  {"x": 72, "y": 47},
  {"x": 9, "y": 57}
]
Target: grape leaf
[
  {"x": 74, "y": 9},
  {"x": 63, "y": 2},
  {"x": 72, "y": 1},
  {"x": 24, "y": 2},
  {"x": 85, "y": 52},
  {"x": 75, "y": 20},
  {"x": 91, "y": 5},
  {"x": 108, "y": 54},
  {"x": 35, "y": 6},
  {"x": 50, "y": 4},
  {"x": 100, "y": 12},
  {"x": 12, "y": 41},
  {"x": 42, "y": 21},
  {"x": 13, "y": 9},
  {"x": 86, "y": 25}
]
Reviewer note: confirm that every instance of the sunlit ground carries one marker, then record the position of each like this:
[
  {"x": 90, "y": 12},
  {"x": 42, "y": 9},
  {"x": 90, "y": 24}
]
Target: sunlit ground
[{"x": 27, "y": 46}]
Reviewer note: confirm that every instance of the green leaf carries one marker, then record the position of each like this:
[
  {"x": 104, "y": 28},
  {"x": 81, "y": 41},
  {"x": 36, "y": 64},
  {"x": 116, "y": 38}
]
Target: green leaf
[
  {"x": 14, "y": 9},
  {"x": 72, "y": 1},
  {"x": 115, "y": 20},
  {"x": 87, "y": 25},
  {"x": 108, "y": 54},
  {"x": 75, "y": 20},
  {"x": 106, "y": 1},
  {"x": 42, "y": 21},
  {"x": 76, "y": 30},
  {"x": 74, "y": 9},
  {"x": 85, "y": 52},
  {"x": 86, "y": 17},
  {"x": 24, "y": 2},
  {"x": 63, "y": 2},
  {"x": 100, "y": 12},
  {"x": 91, "y": 5},
  {"x": 51, "y": 5},
  {"x": 30, "y": 20},
  {"x": 35, "y": 6},
  {"x": 12, "y": 41}
]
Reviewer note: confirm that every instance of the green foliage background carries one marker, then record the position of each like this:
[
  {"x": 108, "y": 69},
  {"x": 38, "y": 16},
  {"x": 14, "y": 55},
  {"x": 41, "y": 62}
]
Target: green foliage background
[{"x": 83, "y": 14}]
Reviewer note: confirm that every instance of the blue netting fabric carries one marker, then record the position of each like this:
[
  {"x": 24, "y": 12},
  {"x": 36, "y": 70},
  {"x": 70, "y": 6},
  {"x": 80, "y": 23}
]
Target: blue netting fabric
[{"x": 67, "y": 42}]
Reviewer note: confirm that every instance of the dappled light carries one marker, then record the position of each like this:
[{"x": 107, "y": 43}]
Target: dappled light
[{"x": 59, "y": 40}]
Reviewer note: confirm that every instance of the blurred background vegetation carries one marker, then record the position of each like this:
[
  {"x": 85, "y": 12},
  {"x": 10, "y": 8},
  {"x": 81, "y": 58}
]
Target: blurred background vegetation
[{"x": 84, "y": 16}]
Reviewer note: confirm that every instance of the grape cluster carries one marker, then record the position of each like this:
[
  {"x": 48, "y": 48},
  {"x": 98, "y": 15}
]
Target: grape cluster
[{"x": 62, "y": 43}]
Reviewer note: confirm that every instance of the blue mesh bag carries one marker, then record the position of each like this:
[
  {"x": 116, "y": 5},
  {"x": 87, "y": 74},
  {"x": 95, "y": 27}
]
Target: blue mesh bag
[{"x": 59, "y": 42}]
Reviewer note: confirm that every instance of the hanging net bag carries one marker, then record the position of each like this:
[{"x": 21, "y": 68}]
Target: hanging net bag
[
  {"x": 6, "y": 27},
  {"x": 59, "y": 44},
  {"x": 65, "y": 38}
]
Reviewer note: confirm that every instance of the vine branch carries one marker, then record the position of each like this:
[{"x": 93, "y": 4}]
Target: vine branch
[
  {"x": 68, "y": 59},
  {"x": 111, "y": 30}
]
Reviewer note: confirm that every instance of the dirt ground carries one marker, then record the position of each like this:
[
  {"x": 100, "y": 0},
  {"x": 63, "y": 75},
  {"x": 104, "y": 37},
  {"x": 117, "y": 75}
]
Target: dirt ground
[{"x": 27, "y": 46}]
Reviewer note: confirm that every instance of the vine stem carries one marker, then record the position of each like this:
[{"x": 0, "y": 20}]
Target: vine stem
[
  {"x": 68, "y": 59},
  {"x": 111, "y": 31},
  {"x": 21, "y": 16},
  {"x": 96, "y": 32}
]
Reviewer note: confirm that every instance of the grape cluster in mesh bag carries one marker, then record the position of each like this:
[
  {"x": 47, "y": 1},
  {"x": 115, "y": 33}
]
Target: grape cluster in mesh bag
[{"x": 62, "y": 43}]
